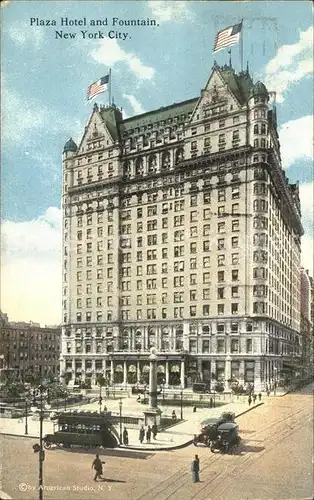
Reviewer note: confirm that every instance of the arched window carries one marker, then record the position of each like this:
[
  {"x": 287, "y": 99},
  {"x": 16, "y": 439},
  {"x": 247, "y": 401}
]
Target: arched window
[
  {"x": 127, "y": 169},
  {"x": 179, "y": 155},
  {"x": 263, "y": 128},
  {"x": 256, "y": 128},
  {"x": 152, "y": 163},
  {"x": 139, "y": 166},
  {"x": 165, "y": 160}
]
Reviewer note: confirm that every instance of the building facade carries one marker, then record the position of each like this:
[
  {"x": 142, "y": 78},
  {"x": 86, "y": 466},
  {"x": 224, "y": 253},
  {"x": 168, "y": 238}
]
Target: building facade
[
  {"x": 181, "y": 231},
  {"x": 27, "y": 349},
  {"x": 306, "y": 325}
]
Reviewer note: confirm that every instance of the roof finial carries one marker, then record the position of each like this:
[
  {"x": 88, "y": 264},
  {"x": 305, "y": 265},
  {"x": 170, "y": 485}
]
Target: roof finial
[
  {"x": 95, "y": 106},
  {"x": 247, "y": 67},
  {"x": 230, "y": 63}
]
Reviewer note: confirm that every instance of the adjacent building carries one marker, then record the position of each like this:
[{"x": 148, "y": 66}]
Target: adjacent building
[
  {"x": 306, "y": 325},
  {"x": 28, "y": 349},
  {"x": 181, "y": 231}
]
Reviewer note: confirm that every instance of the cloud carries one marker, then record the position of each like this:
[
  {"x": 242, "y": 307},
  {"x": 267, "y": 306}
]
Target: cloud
[
  {"x": 31, "y": 116},
  {"x": 296, "y": 140},
  {"x": 22, "y": 34},
  {"x": 291, "y": 64},
  {"x": 31, "y": 268},
  {"x": 110, "y": 53},
  {"x": 135, "y": 104},
  {"x": 164, "y": 11},
  {"x": 307, "y": 210}
]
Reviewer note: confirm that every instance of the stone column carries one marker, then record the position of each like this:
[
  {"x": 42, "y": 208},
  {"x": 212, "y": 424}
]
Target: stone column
[
  {"x": 93, "y": 379},
  {"x": 212, "y": 370},
  {"x": 227, "y": 371},
  {"x": 182, "y": 374},
  {"x": 138, "y": 372},
  {"x": 104, "y": 367},
  {"x": 125, "y": 374},
  {"x": 153, "y": 379},
  {"x": 167, "y": 374},
  {"x": 111, "y": 372}
]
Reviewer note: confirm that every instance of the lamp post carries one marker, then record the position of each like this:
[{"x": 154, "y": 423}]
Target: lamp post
[
  {"x": 120, "y": 415},
  {"x": 100, "y": 398},
  {"x": 275, "y": 381},
  {"x": 181, "y": 404},
  {"x": 41, "y": 390},
  {"x": 26, "y": 422}
]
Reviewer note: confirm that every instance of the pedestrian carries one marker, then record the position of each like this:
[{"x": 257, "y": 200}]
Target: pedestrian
[
  {"x": 194, "y": 409},
  {"x": 125, "y": 437},
  {"x": 195, "y": 468},
  {"x": 250, "y": 400},
  {"x": 211, "y": 403},
  {"x": 268, "y": 392},
  {"x": 254, "y": 398},
  {"x": 174, "y": 416},
  {"x": 138, "y": 399},
  {"x": 154, "y": 430},
  {"x": 142, "y": 434},
  {"x": 97, "y": 465},
  {"x": 148, "y": 434}
]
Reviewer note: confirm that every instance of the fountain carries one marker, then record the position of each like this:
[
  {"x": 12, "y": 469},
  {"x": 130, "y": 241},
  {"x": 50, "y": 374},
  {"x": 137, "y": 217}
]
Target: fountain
[{"x": 153, "y": 413}]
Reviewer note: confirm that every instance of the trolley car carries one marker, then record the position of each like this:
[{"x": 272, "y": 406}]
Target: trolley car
[{"x": 84, "y": 429}]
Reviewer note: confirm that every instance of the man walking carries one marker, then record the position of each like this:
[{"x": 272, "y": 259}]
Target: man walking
[
  {"x": 195, "y": 468},
  {"x": 249, "y": 400},
  {"x": 97, "y": 465},
  {"x": 148, "y": 434},
  {"x": 142, "y": 434},
  {"x": 154, "y": 430}
]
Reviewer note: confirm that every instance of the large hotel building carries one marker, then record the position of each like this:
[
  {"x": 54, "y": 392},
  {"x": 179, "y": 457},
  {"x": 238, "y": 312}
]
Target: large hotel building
[{"x": 181, "y": 231}]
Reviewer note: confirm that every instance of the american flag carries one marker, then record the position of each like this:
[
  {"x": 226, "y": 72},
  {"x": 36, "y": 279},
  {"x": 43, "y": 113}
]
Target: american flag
[
  {"x": 228, "y": 36},
  {"x": 97, "y": 87}
]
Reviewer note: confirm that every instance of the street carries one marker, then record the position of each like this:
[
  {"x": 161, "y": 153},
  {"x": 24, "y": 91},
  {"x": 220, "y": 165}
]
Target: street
[{"x": 274, "y": 461}]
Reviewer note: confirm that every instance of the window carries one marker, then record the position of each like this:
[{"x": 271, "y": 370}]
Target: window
[
  {"x": 193, "y": 200},
  {"x": 220, "y": 293},
  {"x": 220, "y": 308},
  {"x": 249, "y": 345},
  {"x": 235, "y": 242},
  {"x": 206, "y": 213},
  {"x": 193, "y": 247},
  {"x": 192, "y": 295},
  {"x": 206, "y": 277},
  {"x": 206, "y": 198},
  {"x": 206, "y": 261},
  {"x": 220, "y": 345},
  {"x": 221, "y": 195},
  {"x": 192, "y": 310},
  {"x": 221, "y": 260},
  {"x": 234, "y": 291},
  {"x": 193, "y": 216},
  {"x": 206, "y": 294},
  {"x": 234, "y": 308},
  {"x": 221, "y": 243},
  {"x": 234, "y": 346},
  {"x": 235, "y": 274},
  {"x": 193, "y": 145},
  {"x": 205, "y": 310},
  {"x": 235, "y": 225},
  {"x": 221, "y": 211},
  {"x": 192, "y": 279},
  {"x": 193, "y": 231},
  {"x": 221, "y": 276},
  {"x": 205, "y": 346},
  {"x": 234, "y": 328},
  {"x": 206, "y": 229},
  {"x": 234, "y": 259},
  {"x": 221, "y": 227}
]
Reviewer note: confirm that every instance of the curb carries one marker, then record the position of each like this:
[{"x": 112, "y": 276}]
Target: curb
[
  {"x": 136, "y": 448},
  {"x": 187, "y": 443}
]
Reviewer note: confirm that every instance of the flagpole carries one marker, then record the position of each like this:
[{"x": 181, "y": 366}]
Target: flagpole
[
  {"x": 241, "y": 46},
  {"x": 110, "y": 87}
]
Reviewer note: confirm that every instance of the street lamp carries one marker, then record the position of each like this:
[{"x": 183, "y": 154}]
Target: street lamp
[
  {"x": 120, "y": 415},
  {"x": 40, "y": 448},
  {"x": 26, "y": 422},
  {"x": 181, "y": 401}
]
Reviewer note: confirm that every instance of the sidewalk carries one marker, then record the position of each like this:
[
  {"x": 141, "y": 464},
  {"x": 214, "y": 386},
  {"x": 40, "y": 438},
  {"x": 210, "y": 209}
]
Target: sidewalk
[{"x": 174, "y": 437}]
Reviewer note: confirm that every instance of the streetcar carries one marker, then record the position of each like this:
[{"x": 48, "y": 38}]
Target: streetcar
[{"x": 83, "y": 429}]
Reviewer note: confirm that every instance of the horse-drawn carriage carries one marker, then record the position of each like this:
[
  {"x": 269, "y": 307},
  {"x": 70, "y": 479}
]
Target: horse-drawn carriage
[{"x": 84, "y": 429}]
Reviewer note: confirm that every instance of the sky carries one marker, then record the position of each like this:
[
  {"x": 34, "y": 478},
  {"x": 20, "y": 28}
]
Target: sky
[{"x": 45, "y": 77}]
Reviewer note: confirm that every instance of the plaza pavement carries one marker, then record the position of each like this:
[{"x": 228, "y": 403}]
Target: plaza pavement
[{"x": 177, "y": 436}]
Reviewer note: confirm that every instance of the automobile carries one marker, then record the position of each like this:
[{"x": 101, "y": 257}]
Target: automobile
[
  {"x": 227, "y": 438},
  {"x": 209, "y": 428},
  {"x": 201, "y": 388}
]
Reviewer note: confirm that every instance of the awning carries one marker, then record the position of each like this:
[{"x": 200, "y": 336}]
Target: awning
[
  {"x": 175, "y": 369},
  {"x": 145, "y": 369},
  {"x": 160, "y": 369},
  {"x": 132, "y": 369},
  {"x": 118, "y": 368}
]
